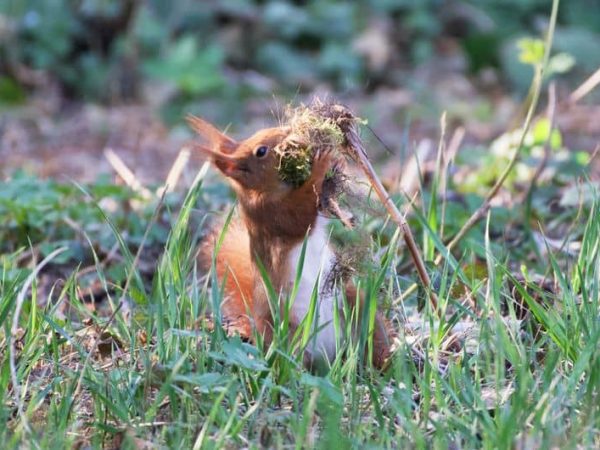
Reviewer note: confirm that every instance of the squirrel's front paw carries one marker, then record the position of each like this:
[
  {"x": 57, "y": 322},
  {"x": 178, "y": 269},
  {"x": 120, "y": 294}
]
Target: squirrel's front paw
[{"x": 321, "y": 164}]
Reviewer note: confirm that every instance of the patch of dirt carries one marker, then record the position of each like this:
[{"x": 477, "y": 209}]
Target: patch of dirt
[{"x": 70, "y": 141}]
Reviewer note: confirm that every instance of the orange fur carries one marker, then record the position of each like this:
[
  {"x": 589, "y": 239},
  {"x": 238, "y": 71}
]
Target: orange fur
[{"x": 234, "y": 265}]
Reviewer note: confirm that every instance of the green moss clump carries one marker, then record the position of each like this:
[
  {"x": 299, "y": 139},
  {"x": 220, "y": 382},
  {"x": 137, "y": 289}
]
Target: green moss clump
[
  {"x": 310, "y": 134},
  {"x": 295, "y": 164}
]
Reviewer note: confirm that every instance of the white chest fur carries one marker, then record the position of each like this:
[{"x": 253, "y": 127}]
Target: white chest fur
[{"x": 318, "y": 262}]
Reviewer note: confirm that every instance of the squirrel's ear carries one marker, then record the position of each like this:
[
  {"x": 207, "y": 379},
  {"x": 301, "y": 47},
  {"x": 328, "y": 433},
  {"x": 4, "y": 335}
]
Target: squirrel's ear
[{"x": 211, "y": 134}]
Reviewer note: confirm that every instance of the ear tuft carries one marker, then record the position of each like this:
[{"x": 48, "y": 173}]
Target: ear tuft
[{"x": 211, "y": 133}]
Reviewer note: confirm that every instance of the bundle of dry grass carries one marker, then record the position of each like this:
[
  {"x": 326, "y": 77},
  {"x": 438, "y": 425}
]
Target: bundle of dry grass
[
  {"x": 311, "y": 133},
  {"x": 318, "y": 128}
]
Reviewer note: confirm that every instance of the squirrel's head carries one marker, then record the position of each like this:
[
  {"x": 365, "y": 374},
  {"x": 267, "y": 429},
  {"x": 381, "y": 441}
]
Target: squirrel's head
[{"x": 250, "y": 165}]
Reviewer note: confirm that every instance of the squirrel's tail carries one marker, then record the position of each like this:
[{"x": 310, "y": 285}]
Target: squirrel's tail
[{"x": 233, "y": 264}]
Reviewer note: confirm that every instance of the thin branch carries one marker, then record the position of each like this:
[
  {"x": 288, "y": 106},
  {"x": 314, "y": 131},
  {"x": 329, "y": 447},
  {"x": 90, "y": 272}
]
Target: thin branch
[
  {"x": 536, "y": 88},
  {"x": 455, "y": 143},
  {"x": 409, "y": 178},
  {"x": 126, "y": 174},
  {"x": 176, "y": 171},
  {"x": 485, "y": 206},
  {"x": 361, "y": 158},
  {"x": 551, "y": 114},
  {"x": 585, "y": 88}
]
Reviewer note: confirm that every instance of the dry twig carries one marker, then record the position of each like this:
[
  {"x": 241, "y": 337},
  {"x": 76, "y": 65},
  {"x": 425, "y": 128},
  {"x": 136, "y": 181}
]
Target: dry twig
[
  {"x": 360, "y": 157},
  {"x": 585, "y": 88},
  {"x": 401, "y": 222},
  {"x": 126, "y": 174},
  {"x": 175, "y": 172},
  {"x": 326, "y": 126},
  {"x": 536, "y": 85}
]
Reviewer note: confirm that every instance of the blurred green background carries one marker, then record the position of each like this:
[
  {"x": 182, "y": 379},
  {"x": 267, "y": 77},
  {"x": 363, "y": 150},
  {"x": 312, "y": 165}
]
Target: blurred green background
[
  {"x": 401, "y": 61},
  {"x": 103, "y": 50}
]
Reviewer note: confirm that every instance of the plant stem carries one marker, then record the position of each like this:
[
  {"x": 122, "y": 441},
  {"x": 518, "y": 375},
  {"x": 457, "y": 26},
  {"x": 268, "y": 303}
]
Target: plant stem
[{"x": 364, "y": 163}]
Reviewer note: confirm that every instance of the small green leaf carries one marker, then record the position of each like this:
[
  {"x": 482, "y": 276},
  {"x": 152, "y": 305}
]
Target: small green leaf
[
  {"x": 541, "y": 132},
  {"x": 324, "y": 386},
  {"x": 582, "y": 158},
  {"x": 560, "y": 63},
  {"x": 237, "y": 353},
  {"x": 531, "y": 51}
]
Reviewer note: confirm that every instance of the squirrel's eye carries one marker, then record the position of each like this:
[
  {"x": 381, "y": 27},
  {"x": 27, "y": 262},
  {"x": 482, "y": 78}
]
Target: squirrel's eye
[{"x": 261, "y": 151}]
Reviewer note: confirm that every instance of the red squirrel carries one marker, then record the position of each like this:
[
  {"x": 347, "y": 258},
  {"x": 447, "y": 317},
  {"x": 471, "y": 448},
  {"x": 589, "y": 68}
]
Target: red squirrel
[{"x": 275, "y": 220}]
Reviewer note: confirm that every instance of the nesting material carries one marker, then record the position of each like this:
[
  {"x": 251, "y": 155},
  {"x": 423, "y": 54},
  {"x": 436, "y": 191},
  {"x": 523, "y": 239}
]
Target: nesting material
[
  {"x": 311, "y": 133},
  {"x": 317, "y": 129},
  {"x": 330, "y": 127}
]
